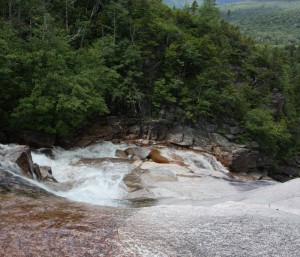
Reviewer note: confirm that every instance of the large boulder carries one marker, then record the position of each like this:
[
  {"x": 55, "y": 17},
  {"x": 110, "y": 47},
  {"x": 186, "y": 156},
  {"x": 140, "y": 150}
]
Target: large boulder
[
  {"x": 237, "y": 158},
  {"x": 181, "y": 135},
  {"x": 21, "y": 155},
  {"x": 44, "y": 173},
  {"x": 247, "y": 160},
  {"x": 140, "y": 152},
  {"x": 156, "y": 156},
  {"x": 121, "y": 154},
  {"x": 287, "y": 170},
  {"x": 10, "y": 183}
]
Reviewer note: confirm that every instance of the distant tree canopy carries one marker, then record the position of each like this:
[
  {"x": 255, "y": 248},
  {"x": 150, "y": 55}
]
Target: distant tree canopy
[
  {"x": 64, "y": 63},
  {"x": 267, "y": 21}
]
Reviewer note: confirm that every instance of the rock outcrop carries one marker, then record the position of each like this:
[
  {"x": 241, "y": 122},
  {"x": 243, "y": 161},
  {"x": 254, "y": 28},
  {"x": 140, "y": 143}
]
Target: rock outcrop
[
  {"x": 21, "y": 156},
  {"x": 156, "y": 156},
  {"x": 53, "y": 226},
  {"x": 10, "y": 183},
  {"x": 19, "y": 160},
  {"x": 140, "y": 152},
  {"x": 200, "y": 139},
  {"x": 203, "y": 138},
  {"x": 287, "y": 170}
]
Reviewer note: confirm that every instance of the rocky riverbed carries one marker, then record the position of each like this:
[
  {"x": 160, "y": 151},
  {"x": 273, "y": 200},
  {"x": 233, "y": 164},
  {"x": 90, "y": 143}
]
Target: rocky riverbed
[
  {"x": 195, "y": 207},
  {"x": 52, "y": 226}
]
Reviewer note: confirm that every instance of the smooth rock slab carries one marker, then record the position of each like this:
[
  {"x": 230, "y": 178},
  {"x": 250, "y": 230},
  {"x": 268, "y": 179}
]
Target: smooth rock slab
[
  {"x": 162, "y": 175},
  {"x": 45, "y": 225},
  {"x": 166, "y": 166},
  {"x": 51, "y": 226}
]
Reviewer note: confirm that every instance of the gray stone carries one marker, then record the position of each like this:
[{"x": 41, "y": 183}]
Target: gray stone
[
  {"x": 48, "y": 152},
  {"x": 162, "y": 175},
  {"x": 21, "y": 155},
  {"x": 201, "y": 139},
  {"x": 133, "y": 181},
  {"x": 46, "y": 173},
  {"x": 134, "y": 132},
  {"x": 297, "y": 159},
  {"x": 121, "y": 154},
  {"x": 234, "y": 130},
  {"x": 182, "y": 136},
  {"x": 255, "y": 175},
  {"x": 230, "y": 136},
  {"x": 290, "y": 171},
  {"x": 246, "y": 159},
  {"x": 211, "y": 128},
  {"x": 37, "y": 172},
  {"x": 141, "y": 152},
  {"x": 175, "y": 136},
  {"x": 220, "y": 140},
  {"x": 188, "y": 136},
  {"x": 11, "y": 183}
]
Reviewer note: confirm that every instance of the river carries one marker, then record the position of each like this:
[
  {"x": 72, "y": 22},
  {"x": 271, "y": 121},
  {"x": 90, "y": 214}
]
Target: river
[{"x": 197, "y": 209}]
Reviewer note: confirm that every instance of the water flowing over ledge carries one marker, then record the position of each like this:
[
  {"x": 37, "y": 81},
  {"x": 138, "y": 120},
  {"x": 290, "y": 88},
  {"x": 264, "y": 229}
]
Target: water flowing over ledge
[
  {"x": 208, "y": 213},
  {"x": 95, "y": 175}
]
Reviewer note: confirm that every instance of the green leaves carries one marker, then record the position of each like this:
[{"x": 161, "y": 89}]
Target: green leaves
[
  {"x": 63, "y": 96},
  {"x": 63, "y": 63},
  {"x": 269, "y": 134}
]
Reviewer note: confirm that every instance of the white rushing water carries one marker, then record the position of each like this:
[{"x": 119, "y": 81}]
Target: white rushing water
[
  {"x": 96, "y": 184},
  {"x": 94, "y": 175}
]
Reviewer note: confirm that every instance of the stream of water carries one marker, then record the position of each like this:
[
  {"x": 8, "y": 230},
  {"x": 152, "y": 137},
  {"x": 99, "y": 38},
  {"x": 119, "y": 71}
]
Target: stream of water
[{"x": 86, "y": 179}]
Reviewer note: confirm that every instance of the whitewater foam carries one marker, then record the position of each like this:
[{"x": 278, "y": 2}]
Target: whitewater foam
[{"x": 101, "y": 185}]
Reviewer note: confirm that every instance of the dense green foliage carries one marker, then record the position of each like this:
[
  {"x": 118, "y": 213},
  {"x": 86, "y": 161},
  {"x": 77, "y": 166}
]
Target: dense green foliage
[
  {"x": 63, "y": 63},
  {"x": 273, "y": 22}
]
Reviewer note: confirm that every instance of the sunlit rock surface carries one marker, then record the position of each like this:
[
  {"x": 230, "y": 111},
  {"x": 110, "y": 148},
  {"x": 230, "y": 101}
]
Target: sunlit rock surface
[
  {"x": 196, "y": 209},
  {"x": 52, "y": 226}
]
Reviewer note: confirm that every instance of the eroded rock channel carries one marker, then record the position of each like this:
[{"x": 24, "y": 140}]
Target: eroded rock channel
[{"x": 80, "y": 202}]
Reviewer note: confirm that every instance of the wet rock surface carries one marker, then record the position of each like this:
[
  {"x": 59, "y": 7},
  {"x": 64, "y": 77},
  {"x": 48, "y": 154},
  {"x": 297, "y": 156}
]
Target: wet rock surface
[
  {"x": 156, "y": 156},
  {"x": 140, "y": 152},
  {"x": 51, "y": 226},
  {"x": 193, "y": 218},
  {"x": 12, "y": 183},
  {"x": 19, "y": 160},
  {"x": 20, "y": 155}
]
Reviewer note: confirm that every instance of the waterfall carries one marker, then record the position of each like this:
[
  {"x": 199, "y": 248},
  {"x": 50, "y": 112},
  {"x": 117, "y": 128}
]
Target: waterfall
[
  {"x": 100, "y": 183},
  {"x": 95, "y": 175}
]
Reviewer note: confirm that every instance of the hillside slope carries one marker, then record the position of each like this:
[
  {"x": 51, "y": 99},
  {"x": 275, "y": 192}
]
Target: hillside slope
[
  {"x": 64, "y": 66},
  {"x": 273, "y": 22}
]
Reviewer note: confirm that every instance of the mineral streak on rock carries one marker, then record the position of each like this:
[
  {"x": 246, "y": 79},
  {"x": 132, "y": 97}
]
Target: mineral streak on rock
[{"x": 51, "y": 226}]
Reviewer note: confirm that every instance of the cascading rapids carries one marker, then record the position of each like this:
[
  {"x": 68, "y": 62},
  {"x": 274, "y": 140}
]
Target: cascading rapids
[
  {"x": 94, "y": 175},
  {"x": 101, "y": 185}
]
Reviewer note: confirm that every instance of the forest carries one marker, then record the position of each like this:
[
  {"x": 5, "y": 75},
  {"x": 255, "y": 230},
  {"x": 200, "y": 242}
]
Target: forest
[
  {"x": 63, "y": 64},
  {"x": 267, "y": 22}
]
